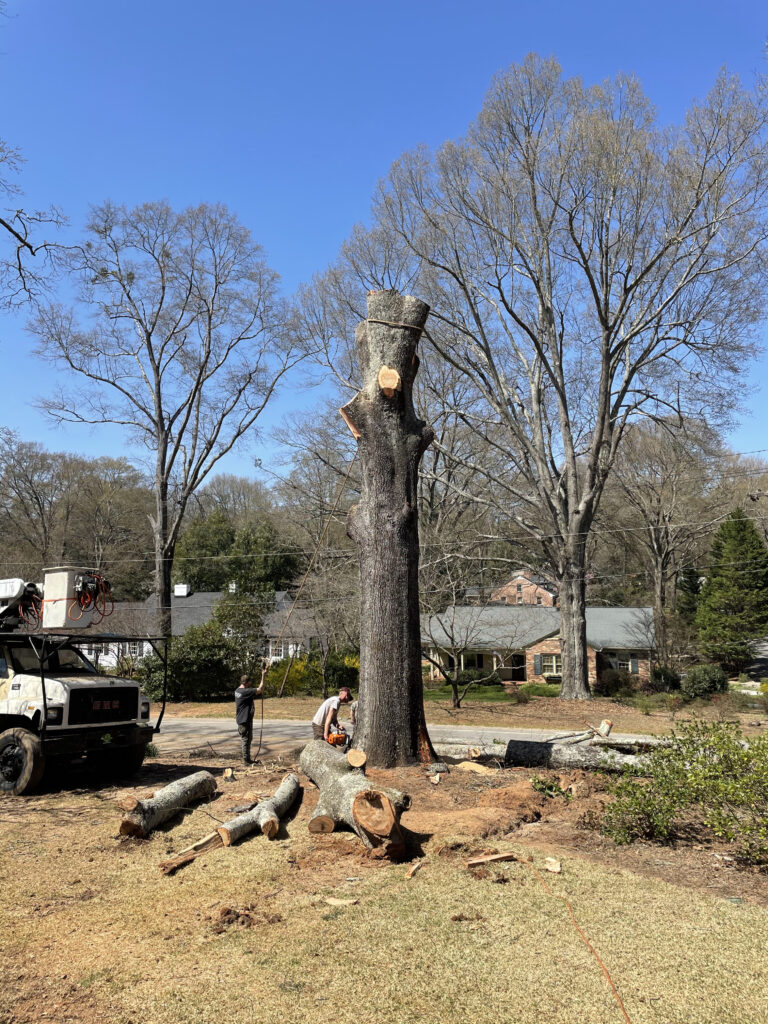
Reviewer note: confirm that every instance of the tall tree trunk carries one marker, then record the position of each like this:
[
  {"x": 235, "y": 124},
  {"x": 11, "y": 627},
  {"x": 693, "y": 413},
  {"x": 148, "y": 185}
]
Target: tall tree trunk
[
  {"x": 660, "y": 613},
  {"x": 163, "y": 562},
  {"x": 391, "y": 441},
  {"x": 573, "y": 626}
]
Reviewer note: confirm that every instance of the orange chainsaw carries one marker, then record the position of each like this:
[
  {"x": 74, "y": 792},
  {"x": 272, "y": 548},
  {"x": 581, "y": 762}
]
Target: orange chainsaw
[{"x": 337, "y": 739}]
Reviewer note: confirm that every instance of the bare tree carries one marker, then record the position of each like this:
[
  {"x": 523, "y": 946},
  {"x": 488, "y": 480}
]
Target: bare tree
[
  {"x": 26, "y": 261},
  {"x": 187, "y": 347},
  {"x": 585, "y": 267},
  {"x": 668, "y": 475}
]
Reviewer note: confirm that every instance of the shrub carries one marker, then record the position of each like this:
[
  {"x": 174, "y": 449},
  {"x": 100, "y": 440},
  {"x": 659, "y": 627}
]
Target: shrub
[
  {"x": 701, "y": 680},
  {"x": 708, "y": 767},
  {"x": 614, "y": 682},
  {"x": 301, "y": 680},
  {"x": 202, "y": 664},
  {"x": 663, "y": 679},
  {"x": 478, "y": 675}
]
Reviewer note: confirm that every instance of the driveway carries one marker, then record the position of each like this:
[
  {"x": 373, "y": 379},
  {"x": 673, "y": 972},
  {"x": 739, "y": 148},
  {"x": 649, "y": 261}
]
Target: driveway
[{"x": 179, "y": 736}]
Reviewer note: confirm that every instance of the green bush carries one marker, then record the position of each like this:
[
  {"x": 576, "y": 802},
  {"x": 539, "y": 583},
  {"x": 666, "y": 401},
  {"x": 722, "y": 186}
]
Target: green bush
[
  {"x": 663, "y": 679},
  {"x": 476, "y": 675},
  {"x": 305, "y": 677},
  {"x": 615, "y": 683},
  {"x": 701, "y": 680},
  {"x": 708, "y": 768},
  {"x": 302, "y": 680},
  {"x": 202, "y": 665}
]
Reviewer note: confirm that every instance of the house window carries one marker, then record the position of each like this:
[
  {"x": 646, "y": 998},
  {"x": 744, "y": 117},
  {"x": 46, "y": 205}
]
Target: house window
[
  {"x": 277, "y": 649},
  {"x": 551, "y": 665},
  {"x": 134, "y": 649},
  {"x": 519, "y": 588},
  {"x": 519, "y": 598},
  {"x": 624, "y": 661},
  {"x": 473, "y": 659},
  {"x": 538, "y": 599}
]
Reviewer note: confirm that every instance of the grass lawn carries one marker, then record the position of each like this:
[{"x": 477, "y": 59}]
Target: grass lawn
[{"x": 90, "y": 931}]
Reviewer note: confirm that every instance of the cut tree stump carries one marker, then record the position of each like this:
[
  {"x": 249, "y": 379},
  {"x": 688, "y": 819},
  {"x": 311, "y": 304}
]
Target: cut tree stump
[
  {"x": 143, "y": 816},
  {"x": 265, "y": 816},
  {"x": 356, "y": 758},
  {"x": 347, "y": 797}
]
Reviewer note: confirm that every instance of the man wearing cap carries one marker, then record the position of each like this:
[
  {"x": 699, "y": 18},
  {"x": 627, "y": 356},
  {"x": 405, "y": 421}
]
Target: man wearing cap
[
  {"x": 326, "y": 717},
  {"x": 245, "y": 695}
]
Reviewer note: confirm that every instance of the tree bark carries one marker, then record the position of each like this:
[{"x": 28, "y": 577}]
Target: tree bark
[
  {"x": 265, "y": 816},
  {"x": 391, "y": 728},
  {"x": 142, "y": 816},
  {"x": 347, "y": 797},
  {"x": 573, "y": 631}
]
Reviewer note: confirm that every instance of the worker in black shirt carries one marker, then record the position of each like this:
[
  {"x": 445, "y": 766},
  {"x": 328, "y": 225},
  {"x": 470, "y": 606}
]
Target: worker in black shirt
[{"x": 245, "y": 695}]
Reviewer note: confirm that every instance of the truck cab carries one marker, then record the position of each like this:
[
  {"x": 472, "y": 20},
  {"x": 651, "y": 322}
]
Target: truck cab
[{"x": 56, "y": 706}]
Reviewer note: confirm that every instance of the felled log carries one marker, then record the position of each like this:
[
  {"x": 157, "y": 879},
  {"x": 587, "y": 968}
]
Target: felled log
[
  {"x": 265, "y": 816},
  {"x": 586, "y": 750},
  {"x": 142, "y": 816},
  {"x": 589, "y": 753},
  {"x": 347, "y": 797}
]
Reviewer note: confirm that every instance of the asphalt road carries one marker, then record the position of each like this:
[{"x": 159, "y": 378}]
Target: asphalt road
[{"x": 179, "y": 736}]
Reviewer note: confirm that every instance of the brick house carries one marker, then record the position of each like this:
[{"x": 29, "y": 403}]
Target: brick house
[
  {"x": 526, "y": 588},
  {"x": 522, "y": 642}
]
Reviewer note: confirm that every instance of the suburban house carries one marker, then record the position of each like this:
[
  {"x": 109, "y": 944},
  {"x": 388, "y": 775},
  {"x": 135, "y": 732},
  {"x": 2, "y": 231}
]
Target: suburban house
[
  {"x": 286, "y": 633},
  {"x": 522, "y": 641},
  {"x": 526, "y": 588}
]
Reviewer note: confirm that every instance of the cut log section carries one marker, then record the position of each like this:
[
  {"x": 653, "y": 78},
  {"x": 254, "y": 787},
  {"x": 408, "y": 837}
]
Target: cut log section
[
  {"x": 389, "y": 381},
  {"x": 143, "y": 816},
  {"x": 347, "y": 797},
  {"x": 265, "y": 816},
  {"x": 356, "y": 758}
]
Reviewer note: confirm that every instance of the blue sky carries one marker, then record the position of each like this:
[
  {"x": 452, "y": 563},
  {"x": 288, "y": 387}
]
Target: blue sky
[{"x": 289, "y": 113}]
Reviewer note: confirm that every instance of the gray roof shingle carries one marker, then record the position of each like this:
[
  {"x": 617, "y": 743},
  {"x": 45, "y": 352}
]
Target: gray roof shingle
[{"x": 515, "y": 627}]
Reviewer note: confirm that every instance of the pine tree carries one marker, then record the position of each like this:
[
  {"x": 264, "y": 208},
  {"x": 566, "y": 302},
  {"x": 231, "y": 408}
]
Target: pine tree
[
  {"x": 733, "y": 604},
  {"x": 687, "y": 593}
]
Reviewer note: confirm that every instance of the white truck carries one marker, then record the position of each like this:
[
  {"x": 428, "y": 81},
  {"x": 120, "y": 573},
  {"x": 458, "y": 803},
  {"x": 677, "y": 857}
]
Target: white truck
[{"x": 54, "y": 704}]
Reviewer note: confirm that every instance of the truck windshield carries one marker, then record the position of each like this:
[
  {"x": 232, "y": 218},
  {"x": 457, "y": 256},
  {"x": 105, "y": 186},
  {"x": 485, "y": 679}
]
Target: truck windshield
[{"x": 66, "y": 659}]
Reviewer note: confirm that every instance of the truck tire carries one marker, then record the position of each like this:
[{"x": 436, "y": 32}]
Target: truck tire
[{"x": 22, "y": 762}]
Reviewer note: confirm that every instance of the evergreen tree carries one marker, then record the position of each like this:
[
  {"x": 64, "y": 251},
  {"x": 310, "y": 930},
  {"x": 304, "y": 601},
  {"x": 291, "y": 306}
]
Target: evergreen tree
[
  {"x": 687, "y": 593},
  {"x": 733, "y": 604}
]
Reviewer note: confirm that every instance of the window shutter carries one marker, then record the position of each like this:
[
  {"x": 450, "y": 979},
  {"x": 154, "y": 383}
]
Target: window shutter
[
  {"x": 537, "y": 664},
  {"x": 633, "y": 667}
]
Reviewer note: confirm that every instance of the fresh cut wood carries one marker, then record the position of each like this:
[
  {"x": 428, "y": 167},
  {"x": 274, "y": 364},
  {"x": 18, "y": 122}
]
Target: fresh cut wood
[
  {"x": 143, "y": 816},
  {"x": 265, "y": 816},
  {"x": 347, "y": 797}
]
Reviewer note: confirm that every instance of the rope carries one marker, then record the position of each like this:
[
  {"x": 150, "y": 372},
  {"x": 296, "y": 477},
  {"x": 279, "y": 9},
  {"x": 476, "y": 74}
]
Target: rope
[
  {"x": 586, "y": 941},
  {"x": 393, "y": 323},
  {"x": 301, "y": 587}
]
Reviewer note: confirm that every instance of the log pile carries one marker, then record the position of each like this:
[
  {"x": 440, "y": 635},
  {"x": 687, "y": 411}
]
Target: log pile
[
  {"x": 348, "y": 798},
  {"x": 143, "y": 816},
  {"x": 264, "y": 817}
]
